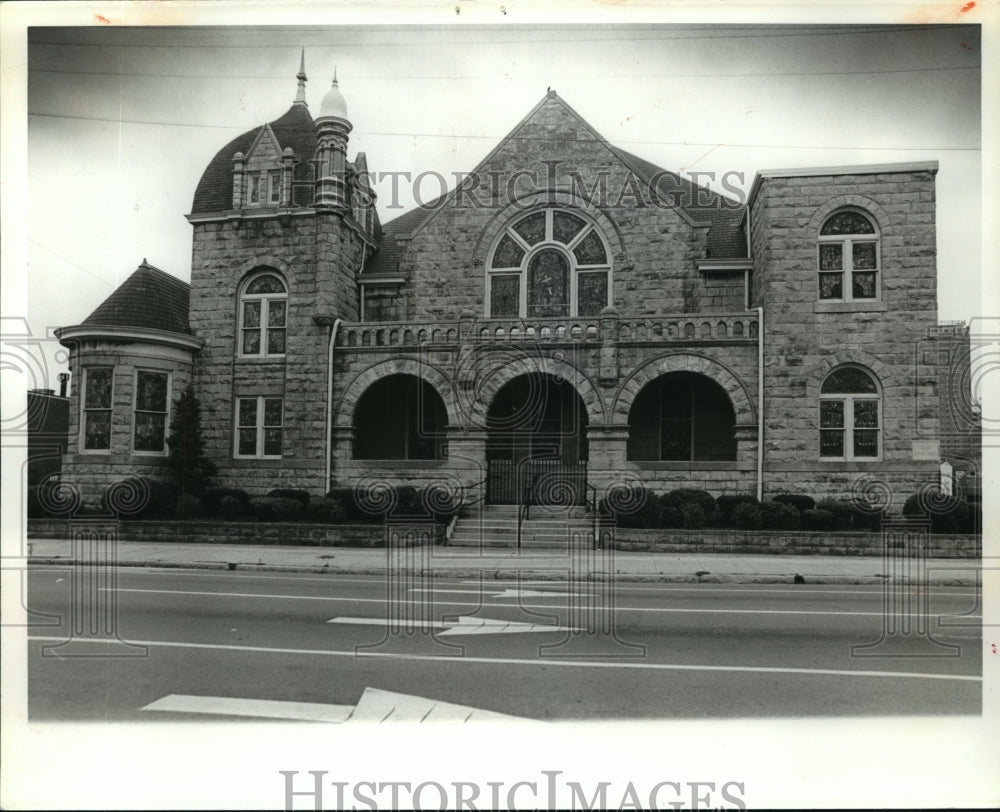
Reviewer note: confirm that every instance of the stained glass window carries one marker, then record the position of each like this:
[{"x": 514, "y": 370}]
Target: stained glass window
[
  {"x": 842, "y": 248},
  {"x": 262, "y": 316},
  {"x": 847, "y": 222},
  {"x": 848, "y": 380},
  {"x": 592, "y": 293},
  {"x": 590, "y": 250},
  {"x": 505, "y": 295},
  {"x": 565, "y": 226},
  {"x": 150, "y": 410},
  {"x": 532, "y": 229},
  {"x": 566, "y": 270},
  {"x": 97, "y": 408},
  {"x": 849, "y": 415}
]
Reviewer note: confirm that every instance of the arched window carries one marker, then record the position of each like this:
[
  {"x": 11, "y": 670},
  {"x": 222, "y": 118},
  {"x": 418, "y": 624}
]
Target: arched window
[
  {"x": 400, "y": 417},
  {"x": 850, "y": 415},
  {"x": 263, "y": 304},
  {"x": 849, "y": 257},
  {"x": 549, "y": 263}
]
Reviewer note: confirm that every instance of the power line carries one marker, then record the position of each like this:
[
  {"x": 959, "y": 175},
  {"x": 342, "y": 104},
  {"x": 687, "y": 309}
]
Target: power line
[
  {"x": 603, "y": 76},
  {"x": 494, "y": 138},
  {"x": 570, "y": 38}
]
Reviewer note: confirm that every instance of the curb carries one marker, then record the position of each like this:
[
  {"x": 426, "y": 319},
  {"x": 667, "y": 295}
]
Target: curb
[{"x": 497, "y": 574}]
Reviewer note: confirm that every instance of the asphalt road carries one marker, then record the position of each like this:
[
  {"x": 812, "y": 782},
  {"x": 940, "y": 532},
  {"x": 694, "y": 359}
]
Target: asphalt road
[{"x": 225, "y": 645}]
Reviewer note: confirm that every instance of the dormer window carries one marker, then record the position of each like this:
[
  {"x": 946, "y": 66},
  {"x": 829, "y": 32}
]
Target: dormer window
[
  {"x": 253, "y": 192},
  {"x": 274, "y": 186}
]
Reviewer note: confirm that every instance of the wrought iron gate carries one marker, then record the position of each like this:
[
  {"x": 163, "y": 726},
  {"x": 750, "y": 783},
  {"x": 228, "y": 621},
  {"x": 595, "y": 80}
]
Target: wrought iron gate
[{"x": 536, "y": 480}]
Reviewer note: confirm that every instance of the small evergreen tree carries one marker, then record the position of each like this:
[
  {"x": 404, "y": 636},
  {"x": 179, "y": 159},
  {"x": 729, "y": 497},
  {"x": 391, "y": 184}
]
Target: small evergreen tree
[{"x": 190, "y": 469}]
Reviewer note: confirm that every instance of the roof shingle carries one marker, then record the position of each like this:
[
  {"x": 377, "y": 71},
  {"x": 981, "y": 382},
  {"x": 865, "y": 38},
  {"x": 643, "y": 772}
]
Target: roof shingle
[{"x": 149, "y": 298}]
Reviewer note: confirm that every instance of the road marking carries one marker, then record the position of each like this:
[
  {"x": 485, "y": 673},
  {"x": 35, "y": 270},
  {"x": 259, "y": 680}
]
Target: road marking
[
  {"x": 463, "y": 625},
  {"x": 544, "y": 663},
  {"x": 506, "y": 593},
  {"x": 663, "y": 609},
  {"x": 806, "y": 589},
  {"x": 259, "y": 708},
  {"x": 387, "y": 706}
]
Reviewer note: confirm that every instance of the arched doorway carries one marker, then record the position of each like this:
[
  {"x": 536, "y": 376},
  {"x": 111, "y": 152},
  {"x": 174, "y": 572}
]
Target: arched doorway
[
  {"x": 400, "y": 417},
  {"x": 536, "y": 445}
]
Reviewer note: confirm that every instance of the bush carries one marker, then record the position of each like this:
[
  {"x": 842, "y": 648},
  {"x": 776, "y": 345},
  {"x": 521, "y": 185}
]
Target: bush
[
  {"x": 230, "y": 507},
  {"x": 212, "y": 499},
  {"x": 799, "y": 501},
  {"x": 276, "y": 509},
  {"x": 642, "y": 512},
  {"x": 727, "y": 503},
  {"x": 189, "y": 507},
  {"x": 953, "y": 516},
  {"x": 841, "y": 511},
  {"x": 775, "y": 515},
  {"x": 702, "y": 498},
  {"x": 692, "y": 516},
  {"x": 817, "y": 519},
  {"x": 746, "y": 515},
  {"x": 140, "y": 497},
  {"x": 291, "y": 493},
  {"x": 328, "y": 510}
]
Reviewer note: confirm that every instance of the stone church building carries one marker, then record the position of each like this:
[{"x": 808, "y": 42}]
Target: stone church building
[{"x": 569, "y": 306}]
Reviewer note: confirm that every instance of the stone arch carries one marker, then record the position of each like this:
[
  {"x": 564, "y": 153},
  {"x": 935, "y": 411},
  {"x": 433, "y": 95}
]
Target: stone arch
[
  {"x": 495, "y": 378},
  {"x": 820, "y": 371},
  {"x": 743, "y": 404},
  {"x": 880, "y": 215},
  {"x": 344, "y": 413},
  {"x": 561, "y": 197}
]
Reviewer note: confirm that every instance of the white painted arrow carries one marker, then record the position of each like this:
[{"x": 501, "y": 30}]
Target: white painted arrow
[
  {"x": 463, "y": 625},
  {"x": 506, "y": 593}
]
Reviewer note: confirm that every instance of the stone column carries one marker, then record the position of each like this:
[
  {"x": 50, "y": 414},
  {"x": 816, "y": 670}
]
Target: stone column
[
  {"x": 607, "y": 445},
  {"x": 239, "y": 166},
  {"x": 341, "y": 450},
  {"x": 467, "y": 457}
]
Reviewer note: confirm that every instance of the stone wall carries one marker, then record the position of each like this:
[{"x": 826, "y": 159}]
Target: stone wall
[
  {"x": 317, "y": 253},
  {"x": 805, "y": 338}
]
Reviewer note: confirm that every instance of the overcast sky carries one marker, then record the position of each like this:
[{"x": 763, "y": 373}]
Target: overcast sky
[{"x": 122, "y": 121}]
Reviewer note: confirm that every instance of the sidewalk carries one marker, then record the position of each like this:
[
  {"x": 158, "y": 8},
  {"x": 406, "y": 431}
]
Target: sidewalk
[{"x": 507, "y": 564}]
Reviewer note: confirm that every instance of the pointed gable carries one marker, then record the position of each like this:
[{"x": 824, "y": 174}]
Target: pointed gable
[{"x": 149, "y": 298}]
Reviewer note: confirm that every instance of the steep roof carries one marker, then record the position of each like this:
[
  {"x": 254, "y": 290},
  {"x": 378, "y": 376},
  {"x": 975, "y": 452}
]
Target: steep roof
[
  {"x": 294, "y": 129},
  {"x": 725, "y": 237},
  {"x": 149, "y": 298}
]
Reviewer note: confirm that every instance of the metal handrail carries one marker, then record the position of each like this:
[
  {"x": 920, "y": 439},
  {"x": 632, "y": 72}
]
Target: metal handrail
[
  {"x": 479, "y": 498},
  {"x": 593, "y": 513},
  {"x": 524, "y": 509}
]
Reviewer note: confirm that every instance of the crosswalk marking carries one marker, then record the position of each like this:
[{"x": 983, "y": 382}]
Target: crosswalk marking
[{"x": 259, "y": 708}]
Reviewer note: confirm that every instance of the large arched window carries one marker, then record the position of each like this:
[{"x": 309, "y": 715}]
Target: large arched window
[
  {"x": 849, "y": 257},
  {"x": 850, "y": 415},
  {"x": 682, "y": 417},
  {"x": 550, "y": 263},
  {"x": 263, "y": 305}
]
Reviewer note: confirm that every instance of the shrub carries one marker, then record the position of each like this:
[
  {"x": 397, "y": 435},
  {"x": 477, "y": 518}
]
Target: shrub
[
  {"x": 189, "y": 506},
  {"x": 775, "y": 515},
  {"x": 297, "y": 494},
  {"x": 212, "y": 499},
  {"x": 230, "y": 507},
  {"x": 953, "y": 516},
  {"x": 328, "y": 510},
  {"x": 818, "y": 519},
  {"x": 692, "y": 516},
  {"x": 353, "y": 511},
  {"x": 190, "y": 468},
  {"x": 408, "y": 503},
  {"x": 276, "y": 509},
  {"x": 842, "y": 513},
  {"x": 140, "y": 497},
  {"x": 702, "y": 498},
  {"x": 746, "y": 515},
  {"x": 727, "y": 503},
  {"x": 799, "y": 501},
  {"x": 642, "y": 511}
]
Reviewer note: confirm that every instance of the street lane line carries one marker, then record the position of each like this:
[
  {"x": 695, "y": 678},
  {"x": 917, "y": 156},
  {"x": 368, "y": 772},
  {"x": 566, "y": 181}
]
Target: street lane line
[
  {"x": 544, "y": 663},
  {"x": 261, "y": 708},
  {"x": 664, "y": 609},
  {"x": 463, "y": 625},
  {"x": 654, "y": 586}
]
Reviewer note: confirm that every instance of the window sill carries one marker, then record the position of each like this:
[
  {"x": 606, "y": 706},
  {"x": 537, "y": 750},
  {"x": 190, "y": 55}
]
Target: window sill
[
  {"x": 694, "y": 465},
  {"x": 865, "y": 306}
]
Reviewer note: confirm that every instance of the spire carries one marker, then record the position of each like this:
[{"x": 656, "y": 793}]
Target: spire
[{"x": 300, "y": 96}]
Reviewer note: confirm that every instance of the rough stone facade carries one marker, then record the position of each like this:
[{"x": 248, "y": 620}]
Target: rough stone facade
[{"x": 700, "y": 287}]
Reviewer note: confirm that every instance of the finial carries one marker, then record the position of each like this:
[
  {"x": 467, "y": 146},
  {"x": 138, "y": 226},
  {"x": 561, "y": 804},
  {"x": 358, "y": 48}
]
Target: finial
[
  {"x": 334, "y": 75},
  {"x": 300, "y": 96}
]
